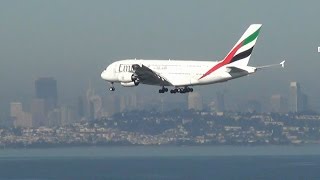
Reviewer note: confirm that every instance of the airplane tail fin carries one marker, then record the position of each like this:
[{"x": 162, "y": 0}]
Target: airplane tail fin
[
  {"x": 241, "y": 51},
  {"x": 240, "y": 54}
]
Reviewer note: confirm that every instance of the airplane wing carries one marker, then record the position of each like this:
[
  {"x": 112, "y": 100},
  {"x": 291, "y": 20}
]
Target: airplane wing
[{"x": 148, "y": 76}]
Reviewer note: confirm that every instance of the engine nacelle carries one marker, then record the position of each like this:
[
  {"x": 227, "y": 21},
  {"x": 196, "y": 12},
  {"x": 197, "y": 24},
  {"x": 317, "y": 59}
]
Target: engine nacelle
[
  {"x": 129, "y": 84},
  {"x": 126, "y": 77}
]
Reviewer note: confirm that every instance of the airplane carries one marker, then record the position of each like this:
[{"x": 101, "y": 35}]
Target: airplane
[{"x": 182, "y": 75}]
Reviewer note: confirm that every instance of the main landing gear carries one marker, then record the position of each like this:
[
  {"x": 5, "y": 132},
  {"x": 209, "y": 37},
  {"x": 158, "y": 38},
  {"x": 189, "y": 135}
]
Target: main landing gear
[
  {"x": 176, "y": 90},
  {"x": 163, "y": 90},
  {"x": 181, "y": 90},
  {"x": 111, "y": 87}
]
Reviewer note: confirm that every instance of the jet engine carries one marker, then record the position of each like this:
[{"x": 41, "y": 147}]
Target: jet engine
[
  {"x": 127, "y": 77},
  {"x": 129, "y": 84}
]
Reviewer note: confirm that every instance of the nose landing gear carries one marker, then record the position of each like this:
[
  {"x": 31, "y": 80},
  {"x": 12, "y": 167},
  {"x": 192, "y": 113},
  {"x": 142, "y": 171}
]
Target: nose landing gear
[{"x": 111, "y": 87}]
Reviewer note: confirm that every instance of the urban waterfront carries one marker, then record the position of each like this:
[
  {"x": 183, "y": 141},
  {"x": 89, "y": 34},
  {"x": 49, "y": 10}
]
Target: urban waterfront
[
  {"x": 173, "y": 128},
  {"x": 188, "y": 162}
]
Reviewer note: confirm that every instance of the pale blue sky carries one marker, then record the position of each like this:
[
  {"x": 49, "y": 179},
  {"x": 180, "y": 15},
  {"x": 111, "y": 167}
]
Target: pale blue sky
[{"x": 73, "y": 40}]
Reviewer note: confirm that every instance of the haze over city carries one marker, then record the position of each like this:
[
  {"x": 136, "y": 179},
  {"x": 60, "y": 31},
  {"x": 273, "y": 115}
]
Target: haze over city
[
  {"x": 58, "y": 119},
  {"x": 73, "y": 41}
]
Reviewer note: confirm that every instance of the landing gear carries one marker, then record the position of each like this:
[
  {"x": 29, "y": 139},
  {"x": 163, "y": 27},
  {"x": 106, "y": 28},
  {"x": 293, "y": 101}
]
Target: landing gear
[
  {"x": 163, "y": 90},
  {"x": 135, "y": 79},
  {"x": 181, "y": 90},
  {"x": 136, "y": 82},
  {"x": 173, "y": 91},
  {"x": 112, "y": 87}
]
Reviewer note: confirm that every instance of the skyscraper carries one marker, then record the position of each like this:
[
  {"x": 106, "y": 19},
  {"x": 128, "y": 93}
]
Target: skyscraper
[
  {"x": 111, "y": 104},
  {"x": 18, "y": 116},
  {"x": 46, "y": 89},
  {"x": 278, "y": 104},
  {"x": 123, "y": 103},
  {"x": 220, "y": 102},
  {"x": 133, "y": 101},
  {"x": 253, "y": 106},
  {"x": 194, "y": 101},
  {"x": 298, "y": 100},
  {"x": 39, "y": 117},
  {"x": 128, "y": 102},
  {"x": 294, "y": 97},
  {"x": 67, "y": 115},
  {"x": 94, "y": 104},
  {"x": 80, "y": 108}
]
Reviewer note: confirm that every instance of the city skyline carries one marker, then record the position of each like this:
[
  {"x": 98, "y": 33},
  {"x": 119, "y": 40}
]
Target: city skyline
[{"x": 44, "y": 109}]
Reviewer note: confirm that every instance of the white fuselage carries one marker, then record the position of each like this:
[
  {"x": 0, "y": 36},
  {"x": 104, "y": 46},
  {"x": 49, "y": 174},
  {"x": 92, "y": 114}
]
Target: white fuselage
[
  {"x": 178, "y": 72},
  {"x": 183, "y": 73}
]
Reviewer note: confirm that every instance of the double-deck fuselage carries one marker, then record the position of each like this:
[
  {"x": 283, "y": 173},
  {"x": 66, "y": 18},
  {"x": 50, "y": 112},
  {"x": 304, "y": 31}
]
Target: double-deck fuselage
[
  {"x": 177, "y": 72},
  {"x": 181, "y": 74}
]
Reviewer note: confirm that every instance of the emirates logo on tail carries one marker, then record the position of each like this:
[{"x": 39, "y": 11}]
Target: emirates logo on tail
[{"x": 241, "y": 52}]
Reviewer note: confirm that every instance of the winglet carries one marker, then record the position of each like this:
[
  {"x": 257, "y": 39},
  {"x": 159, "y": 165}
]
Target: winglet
[{"x": 282, "y": 63}]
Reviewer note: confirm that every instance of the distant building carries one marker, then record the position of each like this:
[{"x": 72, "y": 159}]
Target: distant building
[
  {"x": 94, "y": 104},
  {"x": 128, "y": 102},
  {"x": 18, "y": 116},
  {"x": 278, "y": 104},
  {"x": 294, "y": 97},
  {"x": 46, "y": 89},
  {"x": 111, "y": 104},
  {"x": 81, "y": 108},
  {"x": 253, "y": 106},
  {"x": 298, "y": 100},
  {"x": 67, "y": 115},
  {"x": 123, "y": 103},
  {"x": 54, "y": 118},
  {"x": 220, "y": 107},
  {"x": 195, "y": 101},
  {"x": 304, "y": 102},
  {"x": 133, "y": 101},
  {"x": 39, "y": 116},
  {"x": 91, "y": 110}
]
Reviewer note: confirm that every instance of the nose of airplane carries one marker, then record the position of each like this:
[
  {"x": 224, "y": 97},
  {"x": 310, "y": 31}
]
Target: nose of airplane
[
  {"x": 104, "y": 75},
  {"x": 108, "y": 74}
]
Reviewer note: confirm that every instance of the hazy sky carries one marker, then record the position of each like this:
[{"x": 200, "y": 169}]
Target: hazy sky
[{"x": 73, "y": 40}]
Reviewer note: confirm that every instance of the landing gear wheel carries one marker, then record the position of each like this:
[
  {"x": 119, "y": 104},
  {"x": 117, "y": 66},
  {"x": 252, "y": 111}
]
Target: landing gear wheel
[
  {"x": 136, "y": 82},
  {"x": 182, "y": 91},
  {"x": 173, "y": 91},
  {"x": 163, "y": 90}
]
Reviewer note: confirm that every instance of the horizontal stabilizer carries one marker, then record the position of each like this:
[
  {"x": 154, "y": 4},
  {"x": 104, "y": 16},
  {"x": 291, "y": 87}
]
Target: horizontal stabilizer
[
  {"x": 282, "y": 63},
  {"x": 272, "y": 65}
]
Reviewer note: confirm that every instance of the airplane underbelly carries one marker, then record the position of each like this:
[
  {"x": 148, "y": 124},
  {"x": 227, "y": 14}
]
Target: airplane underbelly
[
  {"x": 215, "y": 78},
  {"x": 180, "y": 80}
]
